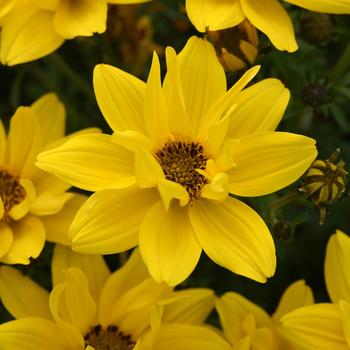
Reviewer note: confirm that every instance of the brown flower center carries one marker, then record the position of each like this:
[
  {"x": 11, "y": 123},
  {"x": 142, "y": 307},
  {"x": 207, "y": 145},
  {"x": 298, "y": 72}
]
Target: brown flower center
[
  {"x": 108, "y": 339},
  {"x": 180, "y": 162},
  {"x": 11, "y": 192}
]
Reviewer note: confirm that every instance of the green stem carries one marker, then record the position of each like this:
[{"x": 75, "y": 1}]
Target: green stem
[
  {"x": 342, "y": 65},
  {"x": 277, "y": 204},
  {"x": 71, "y": 74}
]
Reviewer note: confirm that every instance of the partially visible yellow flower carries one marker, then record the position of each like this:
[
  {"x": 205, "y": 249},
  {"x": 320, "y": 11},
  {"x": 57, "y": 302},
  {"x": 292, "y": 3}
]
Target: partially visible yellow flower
[
  {"x": 164, "y": 179},
  {"x": 31, "y": 29},
  {"x": 247, "y": 326},
  {"x": 90, "y": 307},
  {"x": 34, "y": 205},
  {"x": 269, "y": 16},
  {"x": 325, "y": 326}
]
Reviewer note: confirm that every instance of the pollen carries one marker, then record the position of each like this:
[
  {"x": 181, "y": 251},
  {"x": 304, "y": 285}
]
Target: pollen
[
  {"x": 11, "y": 192},
  {"x": 180, "y": 162},
  {"x": 110, "y": 338}
]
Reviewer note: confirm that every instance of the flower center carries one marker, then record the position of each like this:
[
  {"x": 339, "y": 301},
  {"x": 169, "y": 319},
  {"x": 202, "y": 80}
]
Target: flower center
[
  {"x": 108, "y": 339},
  {"x": 11, "y": 192},
  {"x": 180, "y": 162}
]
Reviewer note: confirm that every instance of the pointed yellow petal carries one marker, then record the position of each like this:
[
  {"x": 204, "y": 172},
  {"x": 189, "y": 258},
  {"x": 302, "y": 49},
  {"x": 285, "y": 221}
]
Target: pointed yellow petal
[
  {"x": 21, "y": 296},
  {"x": 28, "y": 241},
  {"x": 270, "y": 17},
  {"x": 51, "y": 116},
  {"x": 168, "y": 244},
  {"x": 267, "y": 162},
  {"x": 109, "y": 221},
  {"x": 24, "y": 142},
  {"x": 315, "y": 327},
  {"x": 202, "y": 78},
  {"x": 120, "y": 97},
  {"x": 214, "y": 15},
  {"x": 49, "y": 203},
  {"x": 326, "y": 6},
  {"x": 57, "y": 225},
  {"x": 235, "y": 237},
  {"x": 37, "y": 334},
  {"x": 91, "y": 162},
  {"x": 81, "y": 19},
  {"x": 233, "y": 310},
  {"x": 193, "y": 307},
  {"x": 127, "y": 277},
  {"x": 23, "y": 38},
  {"x": 94, "y": 267},
  {"x": 6, "y": 239},
  {"x": 298, "y": 294},
  {"x": 337, "y": 273},
  {"x": 71, "y": 302},
  {"x": 345, "y": 312},
  {"x": 272, "y": 98}
]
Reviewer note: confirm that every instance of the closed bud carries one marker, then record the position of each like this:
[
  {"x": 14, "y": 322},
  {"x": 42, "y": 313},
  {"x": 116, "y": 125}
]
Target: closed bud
[{"x": 315, "y": 27}]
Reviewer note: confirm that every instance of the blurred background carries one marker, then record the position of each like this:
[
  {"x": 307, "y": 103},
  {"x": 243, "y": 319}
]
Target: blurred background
[{"x": 317, "y": 75}]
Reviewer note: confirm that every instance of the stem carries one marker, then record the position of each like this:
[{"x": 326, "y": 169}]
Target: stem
[
  {"x": 342, "y": 65},
  {"x": 277, "y": 204},
  {"x": 71, "y": 74}
]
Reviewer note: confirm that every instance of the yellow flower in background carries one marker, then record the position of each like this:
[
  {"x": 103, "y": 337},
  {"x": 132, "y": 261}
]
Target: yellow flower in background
[
  {"x": 34, "y": 205},
  {"x": 164, "y": 177},
  {"x": 31, "y": 29},
  {"x": 91, "y": 308},
  {"x": 325, "y": 326},
  {"x": 247, "y": 326},
  {"x": 268, "y": 16}
]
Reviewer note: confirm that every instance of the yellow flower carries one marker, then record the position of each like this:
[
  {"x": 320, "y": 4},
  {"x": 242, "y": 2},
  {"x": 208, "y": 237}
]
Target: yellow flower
[
  {"x": 268, "y": 16},
  {"x": 31, "y": 29},
  {"x": 163, "y": 179},
  {"x": 247, "y": 326},
  {"x": 90, "y": 307},
  {"x": 34, "y": 205},
  {"x": 325, "y": 326}
]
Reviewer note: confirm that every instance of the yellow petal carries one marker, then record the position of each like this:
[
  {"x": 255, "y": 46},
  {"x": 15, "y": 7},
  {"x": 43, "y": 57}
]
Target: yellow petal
[
  {"x": 345, "y": 312},
  {"x": 6, "y": 239},
  {"x": 214, "y": 15},
  {"x": 92, "y": 162},
  {"x": 315, "y": 327},
  {"x": 82, "y": 18},
  {"x": 326, "y": 6},
  {"x": 270, "y": 96},
  {"x": 267, "y": 162},
  {"x": 233, "y": 309},
  {"x": 202, "y": 78},
  {"x": 217, "y": 190},
  {"x": 23, "y": 38},
  {"x": 270, "y": 17},
  {"x": 168, "y": 244},
  {"x": 21, "y": 296},
  {"x": 51, "y": 116},
  {"x": 120, "y": 97},
  {"x": 298, "y": 294},
  {"x": 109, "y": 221},
  {"x": 28, "y": 241},
  {"x": 179, "y": 122},
  {"x": 47, "y": 5},
  {"x": 170, "y": 190},
  {"x": 337, "y": 273},
  {"x": 37, "y": 334},
  {"x": 24, "y": 142},
  {"x": 49, "y": 203},
  {"x": 156, "y": 112},
  {"x": 193, "y": 307},
  {"x": 235, "y": 237},
  {"x": 71, "y": 302},
  {"x": 57, "y": 225},
  {"x": 3, "y": 142},
  {"x": 132, "y": 273},
  {"x": 94, "y": 267}
]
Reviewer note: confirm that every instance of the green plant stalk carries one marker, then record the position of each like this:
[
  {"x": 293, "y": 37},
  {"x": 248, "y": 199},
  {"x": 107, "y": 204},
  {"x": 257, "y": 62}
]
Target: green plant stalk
[{"x": 343, "y": 64}]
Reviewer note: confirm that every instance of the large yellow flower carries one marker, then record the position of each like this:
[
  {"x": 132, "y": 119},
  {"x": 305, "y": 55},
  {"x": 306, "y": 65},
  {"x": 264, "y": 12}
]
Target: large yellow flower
[
  {"x": 247, "y": 326},
  {"x": 325, "y": 326},
  {"x": 34, "y": 205},
  {"x": 90, "y": 307},
  {"x": 269, "y": 16},
  {"x": 31, "y": 29},
  {"x": 163, "y": 179}
]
